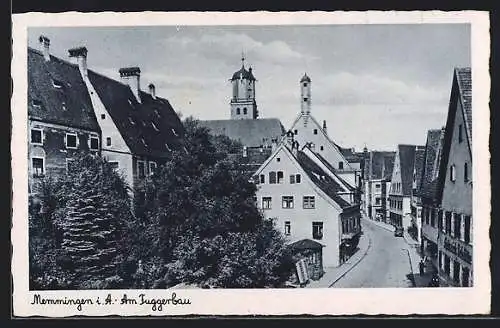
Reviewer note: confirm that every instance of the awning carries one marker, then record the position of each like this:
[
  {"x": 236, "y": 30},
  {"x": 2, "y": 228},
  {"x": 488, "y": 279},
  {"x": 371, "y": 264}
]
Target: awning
[{"x": 306, "y": 244}]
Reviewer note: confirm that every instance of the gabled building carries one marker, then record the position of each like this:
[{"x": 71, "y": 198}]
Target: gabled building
[
  {"x": 308, "y": 202},
  {"x": 77, "y": 109},
  {"x": 377, "y": 180},
  {"x": 415, "y": 201},
  {"x": 454, "y": 186},
  {"x": 428, "y": 195},
  {"x": 306, "y": 129},
  {"x": 401, "y": 185},
  {"x": 61, "y": 120}
]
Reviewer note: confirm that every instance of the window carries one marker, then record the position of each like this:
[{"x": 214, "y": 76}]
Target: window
[
  {"x": 305, "y": 84},
  {"x": 447, "y": 264},
  {"x": 36, "y": 136},
  {"x": 377, "y": 186},
  {"x": 108, "y": 141},
  {"x": 466, "y": 172},
  {"x": 114, "y": 165},
  {"x": 467, "y": 229},
  {"x": 341, "y": 165},
  {"x": 244, "y": 111},
  {"x": 456, "y": 272},
  {"x": 272, "y": 177},
  {"x": 460, "y": 133},
  {"x": 317, "y": 232},
  {"x": 266, "y": 202},
  {"x": 305, "y": 98},
  {"x": 238, "y": 111},
  {"x": 377, "y": 201},
  {"x": 292, "y": 179},
  {"x": 38, "y": 166},
  {"x": 93, "y": 143},
  {"x": 426, "y": 215},
  {"x": 262, "y": 178},
  {"x": 465, "y": 277},
  {"x": 287, "y": 228},
  {"x": 457, "y": 225},
  {"x": 308, "y": 202},
  {"x": 141, "y": 168},
  {"x": 321, "y": 148},
  {"x": 440, "y": 220},
  {"x": 447, "y": 227},
  {"x": 71, "y": 140},
  {"x": 57, "y": 84},
  {"x": 315, "y": 131},
  {"x": 287, "y": 201},
  {"x": 433, "y": 217},
  {"x": 280, "y": 177},
  {"x": 103, "y": 116},
  {"x": 452, "y": 173},
  {"x": 152, "y": 167},
  {"x": 297, "y": 178},
  {"x": 296, "y": 132},
  {"x": 278, "y": 159}
]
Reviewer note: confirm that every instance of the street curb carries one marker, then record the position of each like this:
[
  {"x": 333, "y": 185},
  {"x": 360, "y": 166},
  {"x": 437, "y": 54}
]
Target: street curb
[
  {"x": 354, "y": 264},
  {"x": 411, "y": 268}
]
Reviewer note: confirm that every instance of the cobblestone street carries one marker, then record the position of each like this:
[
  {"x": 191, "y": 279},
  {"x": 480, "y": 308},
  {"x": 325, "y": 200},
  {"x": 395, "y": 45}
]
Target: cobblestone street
[{"x": 386, "y": 264}]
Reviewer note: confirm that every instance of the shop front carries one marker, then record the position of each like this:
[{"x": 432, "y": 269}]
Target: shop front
[
  {"x": 312, "y": 253},
  {"x": 454, "y": 261}
]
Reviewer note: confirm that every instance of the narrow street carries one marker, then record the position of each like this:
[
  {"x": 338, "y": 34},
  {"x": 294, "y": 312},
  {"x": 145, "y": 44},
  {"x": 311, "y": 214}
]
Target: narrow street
[{"x": 385, "y": 265}]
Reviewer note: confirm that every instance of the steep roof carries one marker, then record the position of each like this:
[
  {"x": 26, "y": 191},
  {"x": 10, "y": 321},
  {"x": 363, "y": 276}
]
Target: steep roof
[
  {"x": 461, "y": 90},
  {"x": 321, "y": 179},
  {"x": 57, "y": 93},
  {"x": 244, "y": 73},
  {"x": 333, "y": 170},
  {"x": 381, "y": 163},
  {"x": 147, "y": 127},
  {"x": 406, "y": 161},
  {"x": 419, "y": 165},
  {"x": 251, "y": 133},
  {"x": 427, "y": 180}
]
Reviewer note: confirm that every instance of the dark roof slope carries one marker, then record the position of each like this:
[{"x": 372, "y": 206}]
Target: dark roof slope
[
  {"x": 388, "y": 165},
  {"x": 147, "y": 127},
  {"x": 57, "y": 93},
  {"x": 321, "y": 179},
  {"x": 305, "y": 244},
  {"x": 419, "y": 165},
  {"x": 251, "y": 133},
  {"x": 427, "y": 181},
  {"x": 464, "y": 79},
  {"x": 382, "y": 163},
  {"x": 406, "y": 161},
  {"x": 333, "y": 170}
]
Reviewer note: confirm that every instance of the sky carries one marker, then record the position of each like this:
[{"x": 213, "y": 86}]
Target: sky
[{"x": 375, "y": 85}]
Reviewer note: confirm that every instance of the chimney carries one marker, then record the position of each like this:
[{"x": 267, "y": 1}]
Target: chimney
[
  {"x": 324, "y": 126},
  {"x": 79, "y": 55},
  {"x": 44, "y": 47},
  {"x": 289, "y": 137},
  {"x": 132, "y": 76},
  {"x": 245, "y": 151},
  {"x": 295, "y": 147},
  {"x": 152, "y": 90}
]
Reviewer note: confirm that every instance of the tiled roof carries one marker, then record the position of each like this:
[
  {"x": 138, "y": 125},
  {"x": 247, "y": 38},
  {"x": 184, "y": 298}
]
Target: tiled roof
[
  {"x": 382, "y": 163},
  {"x": 333, "y": 170},
  {"x": 57, "y": 93},
  {"x": 428, "y": 183},
  {"x": 321, "y": 179},
  {"x": 464, "y": 79},
  {"x": 148, "y": 127},
  {"x": 251, "y": 133},
  {"x": 305, "y": 78},
  {"x": 419, "y": 165},
  {"x": 305, "y": 244},
  {"x": 406, "y": 161}
]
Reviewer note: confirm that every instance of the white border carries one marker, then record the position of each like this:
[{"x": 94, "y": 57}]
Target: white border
[{"x": 475, "y": 300}]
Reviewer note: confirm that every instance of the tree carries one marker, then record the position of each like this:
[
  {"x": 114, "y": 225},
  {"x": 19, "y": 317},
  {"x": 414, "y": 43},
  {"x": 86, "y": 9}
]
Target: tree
[
  {"x": 210, "y": 230},
  {"x": 95, "y": 204}
]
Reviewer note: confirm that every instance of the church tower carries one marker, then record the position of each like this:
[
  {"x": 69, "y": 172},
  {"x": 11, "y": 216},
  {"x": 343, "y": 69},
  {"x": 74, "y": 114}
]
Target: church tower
[
  {"x": 305, "y": 94},
  {"x": 243, "y": 105}
]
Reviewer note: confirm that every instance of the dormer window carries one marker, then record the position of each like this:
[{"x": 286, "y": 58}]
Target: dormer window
[
  {"x": 144, "y": 142},
  {"x": 131, "y": 120},
  {"x": 63, "y": 105},
  {"x": 315, "y": 131},
  {"x": 154, "y": 126},
  {"x": 168, "y": 148},
  {"x": 157, "y": 113},
  {"x": 103, "y": 116},
  {"x": 175, "y": 133},
  {"x": 37, "y": 103},
  {"x": 57, "y": 84},
  {"x": 341, "y": 165}
]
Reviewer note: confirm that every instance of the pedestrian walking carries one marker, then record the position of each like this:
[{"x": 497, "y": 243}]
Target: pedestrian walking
[{"x": 421, "y": 267}]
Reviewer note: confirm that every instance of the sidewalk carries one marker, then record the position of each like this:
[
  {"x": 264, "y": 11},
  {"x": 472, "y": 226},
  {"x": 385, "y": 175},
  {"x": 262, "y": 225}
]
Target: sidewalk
[
  {"x": 383, "y": 225},
  {"x": 333, "y": 274}
]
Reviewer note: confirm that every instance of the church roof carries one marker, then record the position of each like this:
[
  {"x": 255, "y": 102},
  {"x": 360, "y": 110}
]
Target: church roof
[
  {"x": 244, "y": 73},
  {"x": 305, "y": 78},
  {"x": 251, "y": 133}
]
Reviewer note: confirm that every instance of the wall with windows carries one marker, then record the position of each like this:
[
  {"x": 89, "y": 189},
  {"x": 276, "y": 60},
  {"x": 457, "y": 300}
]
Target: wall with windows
[
  {"x": 297, "y": 208},
  {"x": 50, "y": 146}
]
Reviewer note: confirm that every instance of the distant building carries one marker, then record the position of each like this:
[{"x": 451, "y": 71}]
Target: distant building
[
  {"x": 72, "y": 109},
  {"x": 415, "y": 201},
  {"x": 377, "y": 180},
  {"x": 454, "y": 187},
  {"x": 401, "y": 185},
  {"x": 308, "y": 202},
  {"x": 258, "y": 136},
  {"x": 428, "y": 196}
]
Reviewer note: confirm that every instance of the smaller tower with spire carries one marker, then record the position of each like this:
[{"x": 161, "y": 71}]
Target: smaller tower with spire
[
  {"x": 305, "y": 94},
  {"x": 243, "y": 104}
]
